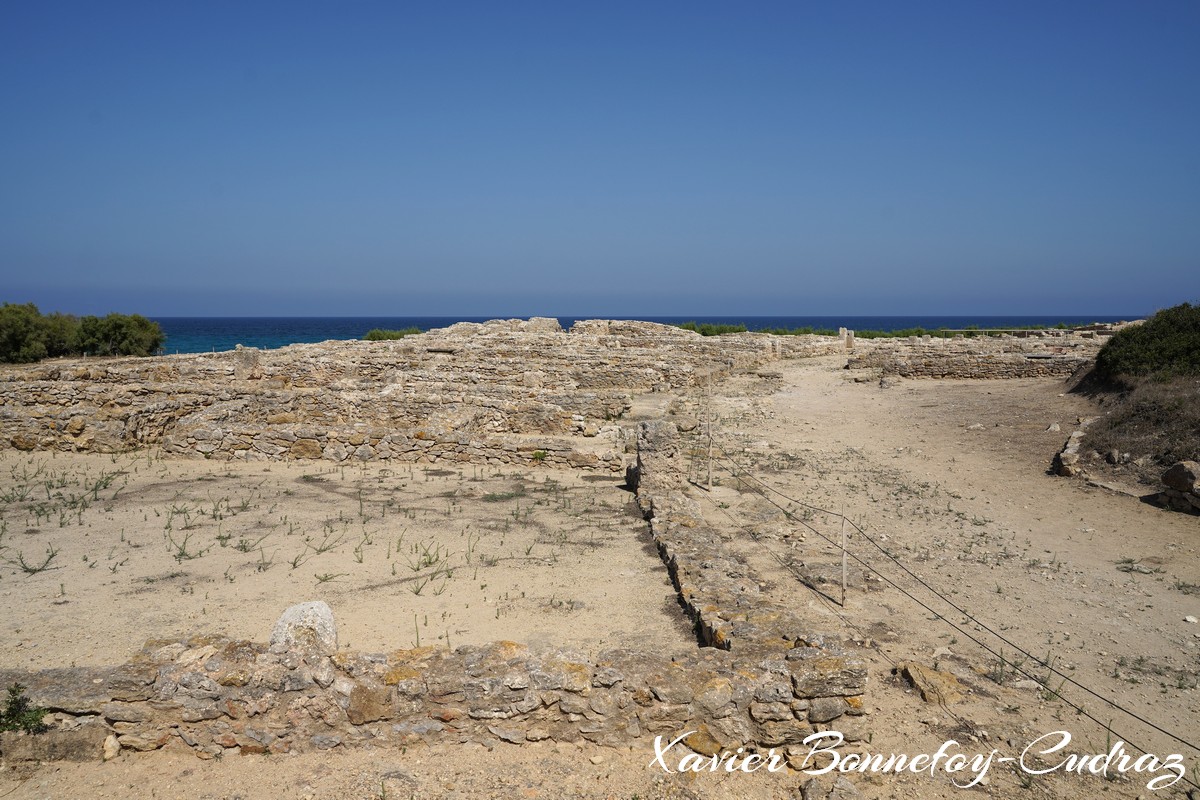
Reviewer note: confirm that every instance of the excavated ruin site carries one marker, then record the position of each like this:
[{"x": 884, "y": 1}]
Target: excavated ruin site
[{"x": 525, "y": 553}]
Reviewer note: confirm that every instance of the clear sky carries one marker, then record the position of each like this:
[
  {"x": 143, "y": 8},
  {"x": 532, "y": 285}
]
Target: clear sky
[{"x": 603, "y": 158}]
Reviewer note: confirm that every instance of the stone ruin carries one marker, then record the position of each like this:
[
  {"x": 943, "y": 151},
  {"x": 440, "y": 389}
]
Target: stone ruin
[
  {"x": 502, "y": 392},
  {"x": 763, "y": 679},
  {"x": 1030, "y": 354},
  {"x": 508, "y": 392}
]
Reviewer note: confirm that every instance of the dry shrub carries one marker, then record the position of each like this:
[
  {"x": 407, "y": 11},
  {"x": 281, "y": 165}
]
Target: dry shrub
[{"x": 1156, "y": 421}]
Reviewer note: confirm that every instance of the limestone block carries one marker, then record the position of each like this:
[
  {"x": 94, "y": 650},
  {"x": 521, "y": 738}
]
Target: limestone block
[{"x": 306, "y": 625}]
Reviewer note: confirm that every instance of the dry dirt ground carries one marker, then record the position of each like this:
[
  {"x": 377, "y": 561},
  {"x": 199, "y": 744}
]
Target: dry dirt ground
[
  {"x": 948, "y": 478},
  {"x": 405, "y": 556}
]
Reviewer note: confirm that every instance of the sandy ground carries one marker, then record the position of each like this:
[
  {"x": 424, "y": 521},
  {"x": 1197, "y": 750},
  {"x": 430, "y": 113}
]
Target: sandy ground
[
  {"x": 949, "y": 477},
  {"x": 406, "y": 556}
]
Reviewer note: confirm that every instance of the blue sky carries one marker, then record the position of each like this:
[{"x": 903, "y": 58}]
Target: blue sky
[{"x": 225, "y": 158}]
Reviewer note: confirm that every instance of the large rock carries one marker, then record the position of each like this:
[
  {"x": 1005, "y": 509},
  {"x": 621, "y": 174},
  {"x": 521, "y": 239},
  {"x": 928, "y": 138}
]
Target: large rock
[
  {"x": 306, "y": 625},
  {"x": 84, "y": 690},
  {"x": 1182, "y": 476},
  {"x": 306, "y": 448},
  {"x": 933, "y": 685},
  {"x": 368, "y": 703}
]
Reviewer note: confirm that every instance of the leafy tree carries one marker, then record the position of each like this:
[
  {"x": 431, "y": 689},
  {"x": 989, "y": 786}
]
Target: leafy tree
[
  {"x": 22, "y": 337},
  {"x": 119, "y": 335},
  {"x": 711, "y": 328},
  {"x": 26, "y": 335},
  {"x": 59, "y": 332}
]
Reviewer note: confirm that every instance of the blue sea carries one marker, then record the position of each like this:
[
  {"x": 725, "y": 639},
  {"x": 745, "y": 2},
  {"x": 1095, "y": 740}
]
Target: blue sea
[{"x": 207, "y": 334}]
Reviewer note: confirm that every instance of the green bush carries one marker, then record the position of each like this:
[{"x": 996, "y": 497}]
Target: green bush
[
  {"x": 1166, "y": 345},
  {"x": 26, "y": 335},
  {"x": 22, "y": 337},
  {"x": 806, "y": 330},
  {"x": 119, "y": 335},
  {"x": 897, "y": 334},
  {"x": 711, "y": 329},
  {"x": 18, "y": 714},
  {"x": 380, "y": 334}
]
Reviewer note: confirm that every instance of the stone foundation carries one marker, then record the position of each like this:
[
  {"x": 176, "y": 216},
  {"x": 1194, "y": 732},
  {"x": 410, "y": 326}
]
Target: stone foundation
[
  {"x": 767, "y": 680},
  {"x": 215, "y": 696},
  {"x": 977, "y": 357},
  {"x": 503, "y": 392}
]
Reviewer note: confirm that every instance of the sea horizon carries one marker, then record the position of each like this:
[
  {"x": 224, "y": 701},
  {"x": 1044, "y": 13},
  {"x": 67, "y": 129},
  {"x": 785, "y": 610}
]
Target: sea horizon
[{"x": 192, "y": 334}]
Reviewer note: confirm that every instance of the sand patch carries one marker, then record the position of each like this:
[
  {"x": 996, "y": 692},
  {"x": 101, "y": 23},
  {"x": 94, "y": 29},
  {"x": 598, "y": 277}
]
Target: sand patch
[{"x": 100, "y": 553}]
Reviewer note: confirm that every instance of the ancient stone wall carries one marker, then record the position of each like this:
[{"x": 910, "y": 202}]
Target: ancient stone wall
[
  {"x": 977, "y": 357},
  {"x": 720, "y": 593},
  {"x": 215, "y": 695},
  {"x": 495, "y": 392},
  {"x": 768, "y": 680}
]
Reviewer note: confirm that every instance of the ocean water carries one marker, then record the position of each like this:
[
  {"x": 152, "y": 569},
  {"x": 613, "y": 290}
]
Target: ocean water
[{"x": 208, "y": 334}]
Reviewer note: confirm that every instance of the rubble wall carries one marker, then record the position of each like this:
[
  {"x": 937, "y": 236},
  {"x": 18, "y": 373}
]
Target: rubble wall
[
  {"x": 495, "y": 392},
  {"x": 766, "y": 680},
  {"x": 980, "y": 357}
]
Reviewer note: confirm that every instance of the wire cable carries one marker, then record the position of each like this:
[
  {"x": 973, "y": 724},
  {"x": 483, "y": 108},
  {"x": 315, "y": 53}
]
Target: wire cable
[
  {"x": 943, "y": 598},
  {"x": 1018, "y": 668}
]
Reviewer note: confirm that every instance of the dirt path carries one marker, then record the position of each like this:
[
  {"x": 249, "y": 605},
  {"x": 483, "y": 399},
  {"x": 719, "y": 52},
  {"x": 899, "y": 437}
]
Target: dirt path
[{"x": 950, "y": 478}]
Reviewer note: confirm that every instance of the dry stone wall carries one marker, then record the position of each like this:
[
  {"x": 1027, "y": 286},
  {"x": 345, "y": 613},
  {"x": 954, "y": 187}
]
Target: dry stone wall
[
  {"x": 214, "y": 695},
  {"x": 768, "y": 680},
  {"x": 978, "y": 357},
  {"x": 721, "y": 594},
  {"x": 497, "y": 392}
]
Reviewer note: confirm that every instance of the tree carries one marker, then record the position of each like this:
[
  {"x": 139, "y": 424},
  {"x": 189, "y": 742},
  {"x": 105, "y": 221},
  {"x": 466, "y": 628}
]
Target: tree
[
  {"x": 26, "y": 335},
  {"x": 22, "y": 336},
  {"x": 119, "y": 335},
  {"x": 59, "y": 332}
]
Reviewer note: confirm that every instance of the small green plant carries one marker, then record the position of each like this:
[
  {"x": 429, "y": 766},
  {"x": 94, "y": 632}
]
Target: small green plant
[
  {"x": 34, "y": 569},
  {"x": 19, "y": 715},
  {"x": 328, "y": 543},
  {"x": 539, "y": 456},
  {"x": 428, "y": 554},
  {"x": 1004, "y": 669},
  {"x": 179, "y": 550},
  {"x": 246, "y": 546}
]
